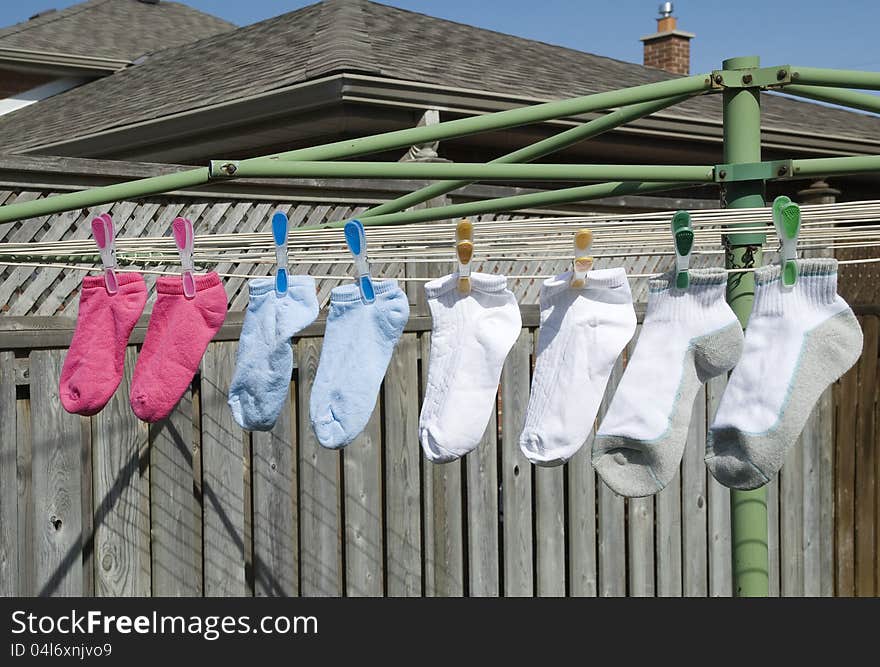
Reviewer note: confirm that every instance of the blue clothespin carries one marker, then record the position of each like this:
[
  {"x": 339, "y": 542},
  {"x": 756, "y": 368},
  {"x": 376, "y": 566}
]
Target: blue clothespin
[
  {"x": 787, "y": 221},
  {"x": 279, "y": 233},
  {"x": 357, "y": 245},
  {"x": 105, "y": 238}
]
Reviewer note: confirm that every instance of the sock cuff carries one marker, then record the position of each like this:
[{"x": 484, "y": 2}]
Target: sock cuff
[
  {"x": 482, "y": 282},
  {"x": 816, "y": 285},
  {"x": 91, "y": 282},
  {"x": 706, "y": 291},
  {"x": 259, "y": 286},
  {"x": 351, "y": 292},
  {"x": 174, "y": 284},
  {"x": 614, "y": 278}
]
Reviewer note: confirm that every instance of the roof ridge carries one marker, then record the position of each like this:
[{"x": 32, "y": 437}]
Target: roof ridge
[
  {"x": 60, "y": 15},
  {"x": 341, "y": 26},
  {"x": 510, "y": 35}
]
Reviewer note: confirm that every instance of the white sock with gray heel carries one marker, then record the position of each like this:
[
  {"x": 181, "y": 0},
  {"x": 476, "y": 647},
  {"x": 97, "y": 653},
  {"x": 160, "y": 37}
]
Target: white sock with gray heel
[
  {"x": 688, "y": 336},
  {"x": 798, "y": 341}
]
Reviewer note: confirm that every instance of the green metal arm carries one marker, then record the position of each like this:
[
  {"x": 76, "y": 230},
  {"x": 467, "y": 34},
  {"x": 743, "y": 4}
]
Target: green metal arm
[
  {"x": 840, "y": 78},
  {"x": 534, "y": 151},
  {"x": 849, "y": 98},
  {"x": 472, "y": 171},
  {"x": 515, "y": 203}
]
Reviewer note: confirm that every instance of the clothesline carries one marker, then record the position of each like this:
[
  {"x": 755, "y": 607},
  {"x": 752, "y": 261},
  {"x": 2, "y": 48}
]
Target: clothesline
[{"x": 98, "y": 269}]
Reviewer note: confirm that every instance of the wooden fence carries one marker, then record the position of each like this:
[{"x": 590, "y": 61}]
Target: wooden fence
[{"x": 195, "y": 506}]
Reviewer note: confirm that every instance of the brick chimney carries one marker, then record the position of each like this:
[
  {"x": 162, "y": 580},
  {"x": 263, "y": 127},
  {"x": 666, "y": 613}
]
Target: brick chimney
[{"x": 669, "y": 48}]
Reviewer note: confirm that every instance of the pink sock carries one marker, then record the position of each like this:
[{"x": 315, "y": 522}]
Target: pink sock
[
  {"x": 179, "y": 332},
  {"x": 94, "y": 363}
]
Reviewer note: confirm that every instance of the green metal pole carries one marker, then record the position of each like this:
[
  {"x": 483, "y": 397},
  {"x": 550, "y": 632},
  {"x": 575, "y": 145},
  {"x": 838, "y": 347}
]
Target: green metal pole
[
  {"x": 478, "y": 171},
  {"x": 742, "y": 143},
  {"x": 534, "y": 151},
  {"x": 847, "y": 98},
  {"x": 841, "y": 78}
]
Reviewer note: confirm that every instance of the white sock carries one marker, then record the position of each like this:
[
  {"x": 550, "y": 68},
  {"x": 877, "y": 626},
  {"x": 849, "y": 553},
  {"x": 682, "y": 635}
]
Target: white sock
[
  {"x": 582, "y": 333},
  {"x": 688, "y": 336},
  {"x": 798, "y": 341},
  {"x": 470, "y": 337}
]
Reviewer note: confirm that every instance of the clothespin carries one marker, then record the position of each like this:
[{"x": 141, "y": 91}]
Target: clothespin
[
  {"x": 582, "y": 263},
  {"x": 183, "y": 238},
  {"x": 357, "y": 245},
  {"x": 787, "y": 221},
  {"x": 279, "y": 233},
  {"x": 464, "y": 250},
  {"x": 683, "y": 235},
  {"x": 105, "y": 238}
]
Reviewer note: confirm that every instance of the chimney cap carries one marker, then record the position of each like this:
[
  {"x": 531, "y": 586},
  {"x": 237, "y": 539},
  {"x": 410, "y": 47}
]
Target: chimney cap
[{"x": 665, "y": 10}]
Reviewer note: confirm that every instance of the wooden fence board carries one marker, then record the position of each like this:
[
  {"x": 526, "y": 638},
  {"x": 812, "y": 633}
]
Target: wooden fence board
[
  {"x": 791, "y": 522},
  {"x": 362, "y": 466},
  {"x": 320, "y": 530},
  {"x": 720, "y": 566},
  {"x": 640, "y": 550},
  {"x": 550, "y": 531},
  {"x": 57, "y": 474},
  {"x": 582, "y": 559},
  {"x": 867, "y": 460},
  {"x": 26, "y": 502},
  {"x": 845, "y": 482},
  {"x": 175, "y": 511},
  {"x": 825, "y": 437},
  {"x": 121, "y": 495},
  {"x": 811, "y": 572},
  {"x": 516, "y": 477},
  {"x": 276, "y": 545},
  {"x": 402, "y": 478},
  {"x": 481, "y": 470},
  {"x": 695, "y": 552},
  {"x": 223, "y": 475},
  {"x": 9, "y": 512},
  {"x": 612, "y": 517}
]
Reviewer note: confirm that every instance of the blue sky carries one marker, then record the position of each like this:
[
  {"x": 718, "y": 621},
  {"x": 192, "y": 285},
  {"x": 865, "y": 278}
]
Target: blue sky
[{"x": 804, "y": 32}]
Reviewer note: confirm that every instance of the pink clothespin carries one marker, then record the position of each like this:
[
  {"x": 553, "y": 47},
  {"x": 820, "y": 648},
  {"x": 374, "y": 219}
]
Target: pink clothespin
[
  {"x": 183, "y": 238},
  {"x": 105, "y": 238}
]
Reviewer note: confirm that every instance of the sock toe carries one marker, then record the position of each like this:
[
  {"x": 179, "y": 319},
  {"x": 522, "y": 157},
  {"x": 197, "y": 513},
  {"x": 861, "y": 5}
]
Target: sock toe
[
  {"x": 435, "y": 452},
  {"x": 728, "y": 460},
  {"x": 627, "y": 477},
  {"x": 545, "y": 454},
  {"x": 330, "y": 433}
]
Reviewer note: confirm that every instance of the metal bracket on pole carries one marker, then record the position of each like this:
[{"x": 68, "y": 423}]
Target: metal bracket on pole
[
  {"x": 222, "y": 168},
  {"x": 752, "y": 77},
  {"x": 753, "y": 171}
]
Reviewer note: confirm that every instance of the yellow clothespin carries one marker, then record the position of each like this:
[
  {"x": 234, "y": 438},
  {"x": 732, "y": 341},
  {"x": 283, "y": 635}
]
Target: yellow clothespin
[
  {"x": 582, "y": 262},
  {"x": 464, "y": 250}
]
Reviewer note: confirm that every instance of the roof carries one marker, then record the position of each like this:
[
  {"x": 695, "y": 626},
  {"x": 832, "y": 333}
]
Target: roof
[
  {"x": 113, "y": 29},
  {"x": 365, "y": 37}
]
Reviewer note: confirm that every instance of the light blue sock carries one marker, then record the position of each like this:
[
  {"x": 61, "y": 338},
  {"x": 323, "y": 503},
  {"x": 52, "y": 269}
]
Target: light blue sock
[
  {"x": 264, "y": 364},
  {"x": 357, "y": 348}
]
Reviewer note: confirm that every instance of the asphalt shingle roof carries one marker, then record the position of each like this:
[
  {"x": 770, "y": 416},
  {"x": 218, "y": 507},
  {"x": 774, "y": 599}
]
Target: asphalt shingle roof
[
  {"x": 116, "y": 29},
  {"x": 363, "y": 36}
]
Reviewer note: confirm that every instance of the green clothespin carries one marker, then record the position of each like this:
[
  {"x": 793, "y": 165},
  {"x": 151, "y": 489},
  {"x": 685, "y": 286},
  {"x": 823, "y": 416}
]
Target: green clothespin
[
  {"x": 787, "y": 221},
  {"x": 683, "y": 234}
]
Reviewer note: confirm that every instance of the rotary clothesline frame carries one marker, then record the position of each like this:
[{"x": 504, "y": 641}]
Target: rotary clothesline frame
[{"x": 741, "y": 176}]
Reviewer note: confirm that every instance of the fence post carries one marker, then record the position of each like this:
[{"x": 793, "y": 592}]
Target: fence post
[{"x": 742, "y": 143}]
